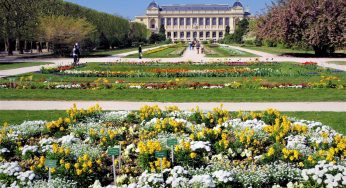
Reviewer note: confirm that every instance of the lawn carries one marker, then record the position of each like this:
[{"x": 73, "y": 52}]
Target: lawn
[
  {"x": 278, "y": 50},
  {"x": 178, "y": 95},
  {"x": 337, "y": 62},
  {"x": 225, "y": 51},
  {"x": 171, "y": 51},
  {"x": 334, "y": 119},
  {"x": 15, "y": 65},
  {"x": 18, "y": 116},
  {"x": 117, "y": 51}
]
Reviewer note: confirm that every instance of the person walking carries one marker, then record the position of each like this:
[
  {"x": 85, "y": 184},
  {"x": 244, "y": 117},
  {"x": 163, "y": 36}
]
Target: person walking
[
  {"x": 140, "y": 51},
  {"x": 198, "y": 46},
  {"x": 190, "y": 45},
  {"x": 75, "y": 54}
]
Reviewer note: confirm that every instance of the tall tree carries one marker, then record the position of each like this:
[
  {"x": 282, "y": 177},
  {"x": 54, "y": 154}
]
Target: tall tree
[
  {"x": 320, "y": 24},
  {"x": 241, "y": 29},
  {"x": 63, "y": 31},
  {"x": 18, "y": 17}
]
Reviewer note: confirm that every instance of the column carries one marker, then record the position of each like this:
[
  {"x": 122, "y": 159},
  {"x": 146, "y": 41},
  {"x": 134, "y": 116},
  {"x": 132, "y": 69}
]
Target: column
[
  {"x": 184, "y": 22},
  {"x": 178, "y": 24},
  {"x": 166, "y": 22},
  {"x": 204, "y": 35},
  {"x": 217, "y": 22},
  {"x": 224, "y": 24},
  {"x": 204, "y": 25},
  {"x": 231, "y": 24}
]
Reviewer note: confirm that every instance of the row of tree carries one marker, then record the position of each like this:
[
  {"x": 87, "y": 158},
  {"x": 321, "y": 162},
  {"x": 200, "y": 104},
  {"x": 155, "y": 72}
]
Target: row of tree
[
  {"x": 310, "y": 24},
  {"x": 58, "y": 24}
]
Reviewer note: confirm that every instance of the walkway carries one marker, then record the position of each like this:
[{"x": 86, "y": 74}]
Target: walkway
[
  {"x": 207, "y": 106},
  {"x": 192, "y": 55}
]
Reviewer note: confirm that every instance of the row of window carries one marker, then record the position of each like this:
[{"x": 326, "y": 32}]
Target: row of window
[
  {"x": 193, "y": 21},
  {"x": 194, "y": 34}
]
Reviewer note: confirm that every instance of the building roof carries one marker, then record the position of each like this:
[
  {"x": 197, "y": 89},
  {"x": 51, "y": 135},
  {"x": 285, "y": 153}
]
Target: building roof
[
  {"x": 237, "y": 4},
  {"x": 196, "y": 7},
  {"x": 153, "y": 4}
]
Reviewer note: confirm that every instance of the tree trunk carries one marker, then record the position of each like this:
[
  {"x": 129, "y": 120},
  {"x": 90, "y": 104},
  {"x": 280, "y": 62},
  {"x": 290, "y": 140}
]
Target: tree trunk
[
  {"x": 47, "y": 45},
  {"x": 21, "y": 47},
  {"x": 31, "y": 47},
  {"x": 9, "y": 46},
  {"x": 6, "y": 45},
  {"x": 321, "y": 51},
  {"x": 25, "y": 45}
]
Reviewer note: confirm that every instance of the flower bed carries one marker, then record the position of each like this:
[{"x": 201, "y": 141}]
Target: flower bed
[
  {"x": 103, "y": 83},
  {"x": 213, "y": 149}
]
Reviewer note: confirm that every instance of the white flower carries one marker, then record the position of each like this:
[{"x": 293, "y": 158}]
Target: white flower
[
  {"x": 27, "y": 148},
  {"x": 195, "y": 145}
]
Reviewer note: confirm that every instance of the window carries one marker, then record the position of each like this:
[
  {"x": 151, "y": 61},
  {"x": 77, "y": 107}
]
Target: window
[
  {"x": 227, "y": 21},
  {"x": 194, "y": 34},
  {"x": 188, "y": 21},
  {"x": 207, "y": 21},
  {"x": 162, "y": 21},
  {"x": 201, "y": 34},
  {"x": 221, "y": 34},
  {"x": 201, "y": 21},
  {"x": 188, "y": 34},
  {"x": 181, "y": 21},
  {"x": 220, "y": 21},
  {"x": 207, "y": 34},
  {"x": 194, "y": 21},
  {"x": 169, "y": 21},
  {"x": 169, "y": 34},
  {"x": 181, "y": 35},
  {"x": 175, "y": 34},
  {"x": 175, "y": 21},
  {"x": 214, "y": 34},
  {"x": 213, "y": 21},
  {"x": 141, "y": 20}
]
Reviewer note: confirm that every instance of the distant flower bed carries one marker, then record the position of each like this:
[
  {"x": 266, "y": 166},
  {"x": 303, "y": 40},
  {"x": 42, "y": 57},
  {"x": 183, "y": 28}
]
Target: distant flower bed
[
  {"x": 211, "y": 149},
  {"x": 104, "y": 83}
]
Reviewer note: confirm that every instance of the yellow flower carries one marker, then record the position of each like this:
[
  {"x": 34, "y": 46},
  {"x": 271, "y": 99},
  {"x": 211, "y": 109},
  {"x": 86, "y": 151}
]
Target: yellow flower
[
  {"x": 67, "y": 166},
  {"x": 62, "y": 161},
  {"x": 193, "y": 155},
  {"x": 271, "y": 151},
  {"x": 52, "y": 170},
  {"x": 79, "y": 172}
]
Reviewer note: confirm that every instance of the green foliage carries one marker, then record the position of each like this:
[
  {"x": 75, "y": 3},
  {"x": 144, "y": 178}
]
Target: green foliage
[{"x": 63, "y": 31}]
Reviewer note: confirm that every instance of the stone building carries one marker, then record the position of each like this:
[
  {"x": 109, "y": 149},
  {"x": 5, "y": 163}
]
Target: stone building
[{"x": 193, "y": 21}]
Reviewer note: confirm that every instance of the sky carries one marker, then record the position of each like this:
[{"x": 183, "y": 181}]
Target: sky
[{"x": 131, "y": 8}]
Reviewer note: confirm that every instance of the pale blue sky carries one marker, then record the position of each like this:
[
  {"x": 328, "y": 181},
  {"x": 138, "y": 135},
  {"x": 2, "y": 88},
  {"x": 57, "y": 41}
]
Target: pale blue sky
[{"x": 132, "y": 8}]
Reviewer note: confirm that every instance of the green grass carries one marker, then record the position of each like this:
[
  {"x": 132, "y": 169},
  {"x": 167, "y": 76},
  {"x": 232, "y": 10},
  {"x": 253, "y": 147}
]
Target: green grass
[
  {"x": 18, "y": 116},
  {"x": 15, "y": 65},
  {"x": 118, "y": 51},
  {"x": 224, "y": 52},
  {"x": 338, "y": 62},
  {"x": 278, "y": 50},
  {"x": 166, "y": 53},
  {"x": 336, "y": 120},
  {"x": 179, "y": 95}
]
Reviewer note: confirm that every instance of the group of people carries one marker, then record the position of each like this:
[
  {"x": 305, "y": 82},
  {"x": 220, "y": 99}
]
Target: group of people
[{"x": 196, "y": 44}]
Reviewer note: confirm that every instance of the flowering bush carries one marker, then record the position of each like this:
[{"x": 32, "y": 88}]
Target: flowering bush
[{"x": 213, "y": 149}]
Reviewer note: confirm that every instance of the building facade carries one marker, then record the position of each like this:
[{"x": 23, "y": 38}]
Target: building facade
[{"x": 187, "y": 22}]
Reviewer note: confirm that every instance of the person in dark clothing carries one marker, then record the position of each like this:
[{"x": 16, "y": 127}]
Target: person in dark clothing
[
  {"x": 76, "y": 54},
  {"x": 198, "y": 46},
  {"x": 140, "y": 51}
]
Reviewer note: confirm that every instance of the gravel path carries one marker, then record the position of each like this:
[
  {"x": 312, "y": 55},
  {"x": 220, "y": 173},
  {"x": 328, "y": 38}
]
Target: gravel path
[{"x": 121, "y": 105}]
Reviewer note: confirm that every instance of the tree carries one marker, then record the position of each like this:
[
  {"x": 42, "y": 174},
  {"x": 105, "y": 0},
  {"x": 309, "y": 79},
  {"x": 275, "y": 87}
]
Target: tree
[
  {"x": 241, "y": 29},
  {"x": 320, "y": 24},
  {"x": 64, "y": 31},
  {"x": 17, "y": 19},
  {"x": 227, "y": 30},
  {"x": 162, "y": 33},
  {"x": 103, "y": 42}
]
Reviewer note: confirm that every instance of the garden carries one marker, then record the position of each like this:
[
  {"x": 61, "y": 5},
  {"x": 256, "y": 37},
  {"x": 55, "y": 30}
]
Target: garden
[
  {"x": 155, "y": 147},
  {"x": 222, "y": 50},
  {"x": 261, "y": 81},
  {"x": 168, "y": 51}
]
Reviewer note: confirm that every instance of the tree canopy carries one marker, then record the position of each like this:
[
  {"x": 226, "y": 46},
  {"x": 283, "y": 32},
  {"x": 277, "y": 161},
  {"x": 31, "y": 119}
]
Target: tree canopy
[{"x": 320, "y": 24}]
